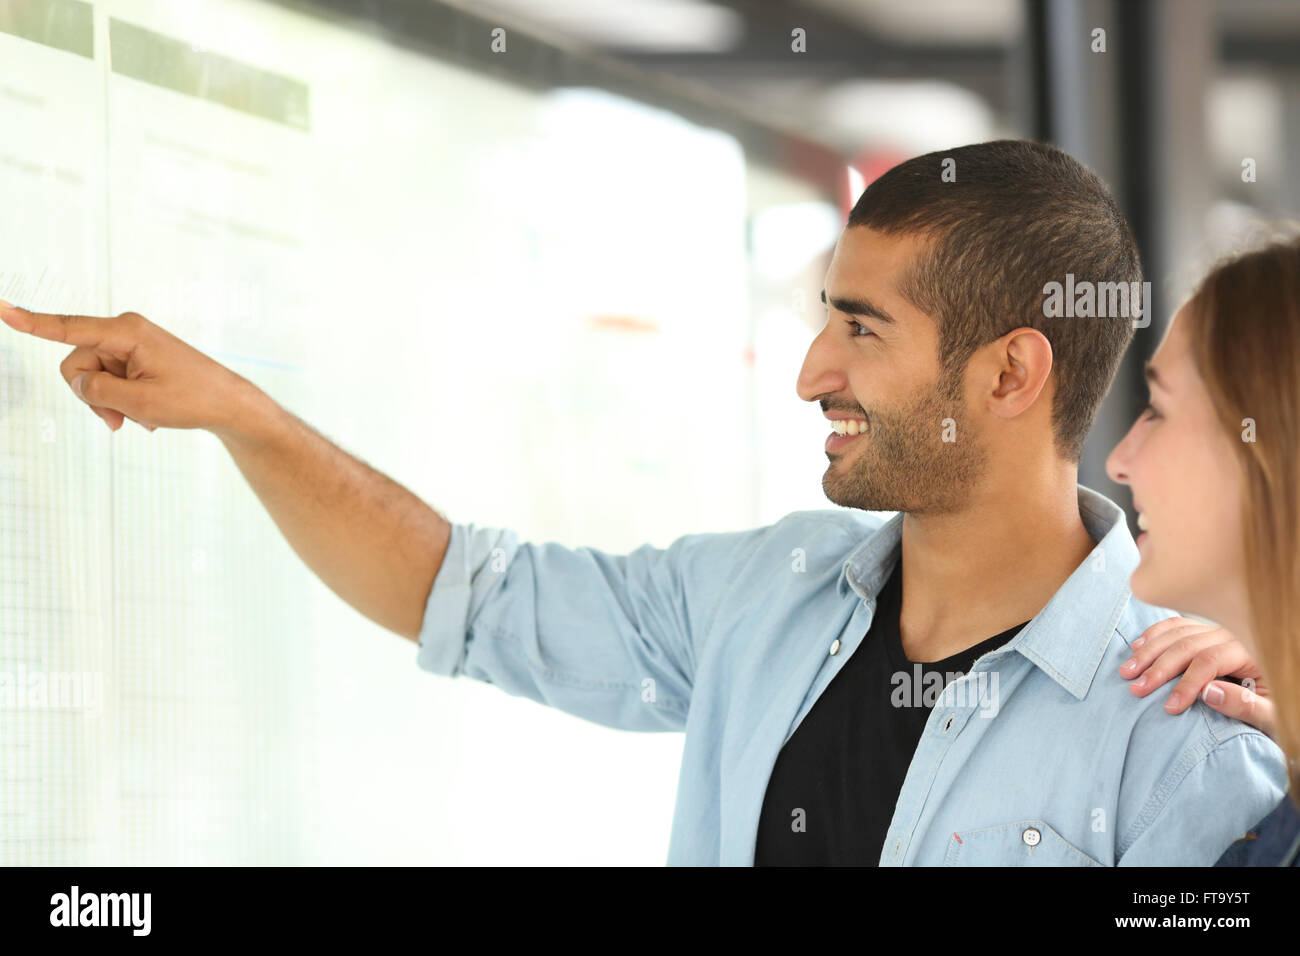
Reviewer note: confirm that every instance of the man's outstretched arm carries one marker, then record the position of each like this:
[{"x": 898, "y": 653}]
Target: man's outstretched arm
[{"x": 375, "y": 544}]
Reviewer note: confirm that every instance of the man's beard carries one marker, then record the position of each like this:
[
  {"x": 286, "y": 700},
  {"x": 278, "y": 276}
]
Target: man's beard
[{"x": 906, "y": 465}]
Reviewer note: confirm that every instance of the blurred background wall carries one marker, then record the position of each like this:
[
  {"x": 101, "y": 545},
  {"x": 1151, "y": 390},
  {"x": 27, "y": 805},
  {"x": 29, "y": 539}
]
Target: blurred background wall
[
  {"x": 552, "y": 265},
  {"x": 1187, "y": 108}
]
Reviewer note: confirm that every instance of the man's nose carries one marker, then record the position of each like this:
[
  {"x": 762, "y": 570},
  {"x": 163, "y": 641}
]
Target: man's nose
[{"x": 819, "y": 375}]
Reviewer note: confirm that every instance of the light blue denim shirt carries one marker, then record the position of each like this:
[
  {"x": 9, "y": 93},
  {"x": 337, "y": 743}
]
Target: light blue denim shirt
[{"x": 1039, "y": 756}]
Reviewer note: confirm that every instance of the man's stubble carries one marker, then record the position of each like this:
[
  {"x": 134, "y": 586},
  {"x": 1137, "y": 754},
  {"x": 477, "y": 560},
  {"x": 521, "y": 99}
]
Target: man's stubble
[{"x": 906, "y": 464}]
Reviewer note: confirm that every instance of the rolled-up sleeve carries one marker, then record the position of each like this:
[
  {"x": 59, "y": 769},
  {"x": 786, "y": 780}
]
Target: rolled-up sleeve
[{"x": 609, "y": 638}]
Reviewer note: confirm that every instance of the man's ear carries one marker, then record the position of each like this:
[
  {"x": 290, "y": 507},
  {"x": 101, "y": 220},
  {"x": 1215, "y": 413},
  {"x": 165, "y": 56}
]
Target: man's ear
[{"x": 1019, "y": 364}]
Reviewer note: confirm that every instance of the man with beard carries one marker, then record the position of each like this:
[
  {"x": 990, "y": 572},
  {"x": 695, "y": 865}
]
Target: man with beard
[{"x": 804, "y": 659}]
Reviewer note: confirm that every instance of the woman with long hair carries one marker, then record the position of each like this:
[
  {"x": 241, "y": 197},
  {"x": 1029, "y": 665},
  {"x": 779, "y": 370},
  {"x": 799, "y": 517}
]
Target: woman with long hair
[{"x": 1214, "y": 465}]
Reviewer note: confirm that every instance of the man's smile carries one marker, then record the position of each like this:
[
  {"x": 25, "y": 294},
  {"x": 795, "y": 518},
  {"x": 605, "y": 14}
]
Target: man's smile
[{"x": 843, "y": 431}]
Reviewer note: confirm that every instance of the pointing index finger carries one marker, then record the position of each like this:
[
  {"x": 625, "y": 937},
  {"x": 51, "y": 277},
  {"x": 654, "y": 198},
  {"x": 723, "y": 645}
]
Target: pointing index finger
[{"x": 84, "y": 330}]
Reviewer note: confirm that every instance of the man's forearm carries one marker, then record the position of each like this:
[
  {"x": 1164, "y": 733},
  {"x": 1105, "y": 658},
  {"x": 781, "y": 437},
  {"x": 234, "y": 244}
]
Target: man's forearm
[{"x": 376, "y": 545}]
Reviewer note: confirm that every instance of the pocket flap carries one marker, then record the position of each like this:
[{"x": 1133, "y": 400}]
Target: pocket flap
[{"x": 1023, "y": 843}]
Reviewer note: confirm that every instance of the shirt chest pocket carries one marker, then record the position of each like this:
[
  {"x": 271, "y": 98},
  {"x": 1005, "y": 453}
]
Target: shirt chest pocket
[{"x": 1025, "y": 843}]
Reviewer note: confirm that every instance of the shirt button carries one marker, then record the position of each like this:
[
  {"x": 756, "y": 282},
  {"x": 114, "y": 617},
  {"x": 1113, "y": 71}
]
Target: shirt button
[
  {"x": 1032, "y": 837},
  {"x": 835, "y": 646}
]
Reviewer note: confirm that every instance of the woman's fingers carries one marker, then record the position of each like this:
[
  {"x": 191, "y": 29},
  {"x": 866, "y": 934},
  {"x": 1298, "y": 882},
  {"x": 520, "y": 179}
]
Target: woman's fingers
[
  {"x": 1201, "y": 653},
  {"x": 1243, "y": 703},
  {"x": 1161, "y": 628},
  {"x": 1219, "y": 660},
  {"x": 1162, "y": 653}
]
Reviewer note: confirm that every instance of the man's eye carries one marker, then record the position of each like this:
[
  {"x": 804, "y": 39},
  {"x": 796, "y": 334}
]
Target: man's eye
[
  {"x": 858, "y": 328},
  {"x": 1149, "y": 411}
]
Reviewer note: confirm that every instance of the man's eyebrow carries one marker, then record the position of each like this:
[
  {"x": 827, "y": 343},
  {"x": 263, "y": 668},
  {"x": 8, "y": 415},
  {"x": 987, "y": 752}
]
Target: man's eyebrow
[
  {"x": 850, "y": 306},
  {"x": 1153, "y": 377}
]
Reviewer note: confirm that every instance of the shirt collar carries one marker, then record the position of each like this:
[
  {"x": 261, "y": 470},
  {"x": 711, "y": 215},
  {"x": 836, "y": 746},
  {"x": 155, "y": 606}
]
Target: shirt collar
[{"x": 1066, "y": 639}]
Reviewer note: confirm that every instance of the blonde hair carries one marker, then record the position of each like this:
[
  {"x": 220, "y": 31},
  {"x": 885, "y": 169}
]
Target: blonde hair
[{"x": 1245, "y": 343}]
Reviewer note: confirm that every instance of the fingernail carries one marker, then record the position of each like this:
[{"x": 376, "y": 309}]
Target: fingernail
[
  {"x": 1213, "y": 695},
  {"x": 1140, "y": 682},
  {"x": 78, "y": 383},
  {"x": 1173, "y": 701},
  {"x": 1139, "y": 642},
  {"x": 1130, "y": 664}
]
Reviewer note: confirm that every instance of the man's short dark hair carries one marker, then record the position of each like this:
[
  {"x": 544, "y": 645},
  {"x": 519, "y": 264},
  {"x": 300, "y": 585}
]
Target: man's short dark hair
[{"x": 1018, "y": 216}]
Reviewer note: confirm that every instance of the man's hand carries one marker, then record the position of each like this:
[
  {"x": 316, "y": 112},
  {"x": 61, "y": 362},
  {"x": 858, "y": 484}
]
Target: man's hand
[
  {"x": 375, "y": 544},
  {"x": 1200, "y": 653},
  {"x": 127, "y": 367}
]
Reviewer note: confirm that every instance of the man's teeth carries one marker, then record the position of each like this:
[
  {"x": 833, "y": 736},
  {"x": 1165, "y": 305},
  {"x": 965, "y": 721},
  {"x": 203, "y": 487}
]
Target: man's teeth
[
  {"x": 1142, "y": 521},
  {"x": 850, "y": 426}
]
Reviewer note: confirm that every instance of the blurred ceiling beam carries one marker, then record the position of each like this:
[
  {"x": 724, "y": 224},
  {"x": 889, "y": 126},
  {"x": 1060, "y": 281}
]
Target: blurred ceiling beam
[{"x": 838, "y": 49}]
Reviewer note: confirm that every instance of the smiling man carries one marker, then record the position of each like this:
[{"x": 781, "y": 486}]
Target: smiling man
[
  {"x": 803, "y": 659},
  {"x": 959, "y": 403}
]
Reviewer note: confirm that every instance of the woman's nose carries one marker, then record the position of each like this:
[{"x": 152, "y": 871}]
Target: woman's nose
[{"x": 1117, "y": 461}]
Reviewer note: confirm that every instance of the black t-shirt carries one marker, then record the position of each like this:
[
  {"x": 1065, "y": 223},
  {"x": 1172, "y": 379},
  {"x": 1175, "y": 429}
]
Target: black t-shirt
[{"x": 845, "y": 764}]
